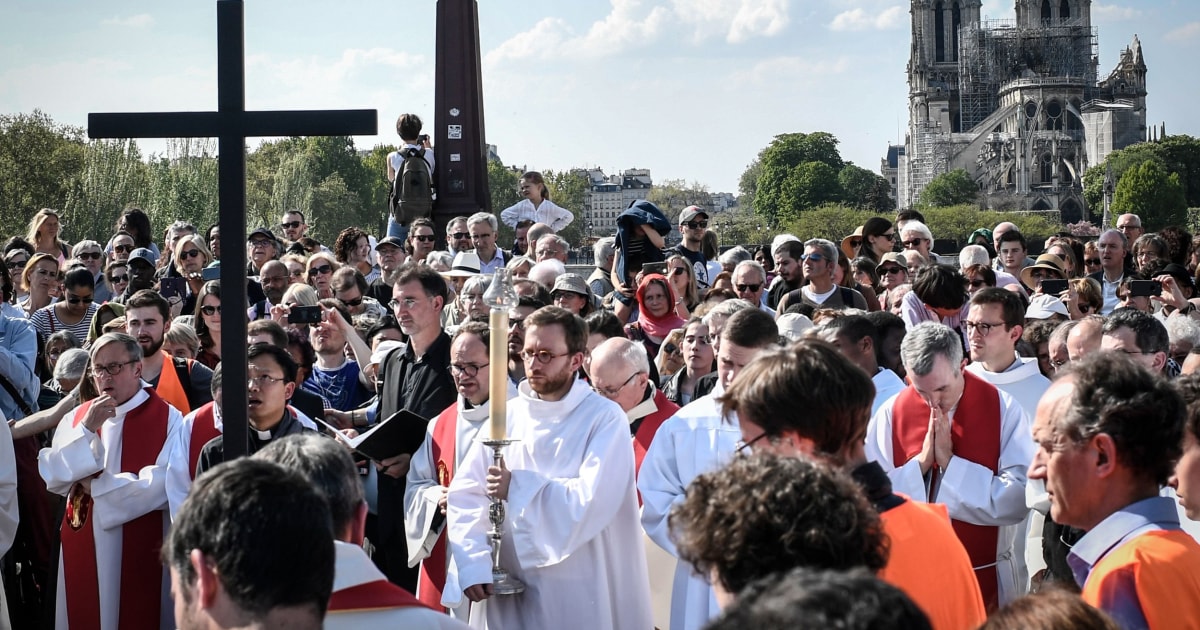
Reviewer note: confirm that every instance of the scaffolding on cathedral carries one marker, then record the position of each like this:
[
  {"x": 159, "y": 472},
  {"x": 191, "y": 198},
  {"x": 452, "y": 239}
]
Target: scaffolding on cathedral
[
  {"x": 996, "y": 52},
  {"x": 928, "y": 158}
]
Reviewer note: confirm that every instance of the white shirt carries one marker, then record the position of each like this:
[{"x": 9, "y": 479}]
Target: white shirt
[
  {"x": 570, "y": 532},
  {"x": 547, "y": 212},
  {"x": 353, "y": 567},
  {"x": 887, "y": 384},
  {"x": 694, "y": 441}
]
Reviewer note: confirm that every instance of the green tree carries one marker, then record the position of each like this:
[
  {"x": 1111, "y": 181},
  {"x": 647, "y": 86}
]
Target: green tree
[
  {"x": 1178, "y": 154},
  {"x": 778, "y": 191},
  {"x": 748, "y": 182},
  {"x": 183, "y": 184},
  {"x": 1153, "y": 193},
  {"x": 113, "y": 177},
  {"x": 39, "y": 158},
  {"x": 863, "y": 189},
  {"x": 950, "y": 189},
  {"x": 502, "y": 187},
  {"x": 568, "y": 189}
]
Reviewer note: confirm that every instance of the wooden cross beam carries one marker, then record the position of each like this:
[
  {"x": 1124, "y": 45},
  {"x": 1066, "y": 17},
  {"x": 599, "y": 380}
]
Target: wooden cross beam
[{"x": 231, "y": 124}]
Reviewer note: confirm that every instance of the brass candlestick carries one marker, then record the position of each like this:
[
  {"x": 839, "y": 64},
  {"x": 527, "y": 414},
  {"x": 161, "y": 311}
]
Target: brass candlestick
[{"x": 502, "y": 582}]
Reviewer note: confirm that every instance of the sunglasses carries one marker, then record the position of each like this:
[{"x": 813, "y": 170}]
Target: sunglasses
[
  {"x": 891, "y": 270},
  {"x": 891, "y": 236},
  {"x": 1091, "y": 261},
  {"x": 975, "y": 284},
  {"x": 855, "y": 243},
  {"x": 813, "y": 257},
  {"x": 670, "y": 348},
  {"x": 210, "y": 310},
  {"x": 678, "y": 271},
  {"x": 17, "y": 264},
  {"x": 356, "y": 302},
  {"x": 75, "y": 299},
  {"x": 322, "y": 270},
  {"x": 458, "y": 236},
  {"x": 696, "y": 225},
  {"x": 121, "y": 249},
  {"x": 290, "y": 225},
  {"x": 191, "y": 253},
  {"x": 425, "y": 239},
  {"x": 120, "y": 279},
  {"x": 89, "y": 256},
  {"x": 750, "y": 288},
  {"x": 913, "y": 243}
]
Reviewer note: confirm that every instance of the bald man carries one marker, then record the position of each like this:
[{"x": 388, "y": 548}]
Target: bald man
[
  {"x": 1085, "y": 337},
  {"x": 620, "y": 372}
]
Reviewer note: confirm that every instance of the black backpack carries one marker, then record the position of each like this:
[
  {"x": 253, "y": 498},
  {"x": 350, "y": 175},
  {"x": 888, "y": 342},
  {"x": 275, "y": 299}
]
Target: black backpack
[{"x": 411, "y": 196}]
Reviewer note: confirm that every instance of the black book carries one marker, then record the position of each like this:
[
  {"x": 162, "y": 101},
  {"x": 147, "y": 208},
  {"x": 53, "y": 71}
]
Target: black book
[{"x": 401, "y": 433}]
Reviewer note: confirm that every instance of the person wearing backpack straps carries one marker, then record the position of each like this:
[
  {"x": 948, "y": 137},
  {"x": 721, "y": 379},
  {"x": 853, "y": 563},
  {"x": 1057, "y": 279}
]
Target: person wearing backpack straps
[{"x": 410, "y": 194}]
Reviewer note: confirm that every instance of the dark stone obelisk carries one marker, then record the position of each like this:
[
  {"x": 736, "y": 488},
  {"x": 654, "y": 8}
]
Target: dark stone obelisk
[{"x": 462, "y": 183}]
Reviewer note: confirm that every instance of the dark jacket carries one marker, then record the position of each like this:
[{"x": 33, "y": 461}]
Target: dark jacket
[{"x": 640, "y": 213}]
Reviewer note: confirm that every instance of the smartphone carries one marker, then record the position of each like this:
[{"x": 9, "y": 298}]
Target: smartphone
[
  {"x": 1144, "y": 288},
  {"x": 1053, "y": 286},
  {"x": 211, "y": 273},
  {"x": 172, "y": 287},
  {"x": 304, "y": 315},
  {"x": 659, "y": 268}
]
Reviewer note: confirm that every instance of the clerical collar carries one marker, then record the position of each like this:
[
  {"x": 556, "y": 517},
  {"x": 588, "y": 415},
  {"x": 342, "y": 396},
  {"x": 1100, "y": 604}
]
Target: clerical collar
[
  {"x": 644, "y": 408},
  {"x": 472, "y": 413},
  {"x": 129, "y": 405}
]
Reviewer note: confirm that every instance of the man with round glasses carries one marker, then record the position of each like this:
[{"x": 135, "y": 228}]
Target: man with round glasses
[
  {"x": 572, "y": 532},
  {"x": 109, "y": 458}
]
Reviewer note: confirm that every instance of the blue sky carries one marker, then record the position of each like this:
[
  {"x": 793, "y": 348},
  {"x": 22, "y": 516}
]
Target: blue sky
[{"x": 691, "y": 89}]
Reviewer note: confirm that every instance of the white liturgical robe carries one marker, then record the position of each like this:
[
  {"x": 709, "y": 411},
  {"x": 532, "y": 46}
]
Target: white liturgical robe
[{"x": 571, "y": 529}]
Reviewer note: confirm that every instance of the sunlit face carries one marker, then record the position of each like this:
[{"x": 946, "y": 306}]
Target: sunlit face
[
  {"x": 516, "y": 331},
  {"x": 267, "y": 392},
  {"x": 295, "y": 271},
  {"x": 147, "y": 326},
  {"x": 78, "y": 300},
  {"x": 697, "y": 349},
  {"x": 210, "y": 310},
  {"x": 93, "y": 259},
  {"x": 50, "y": 228},
  {"x": 749, "y": 284},
  {"x": 43, "y": 278},
  {"x": 294, "y": 227},
  {"x": 1186, "y": 479},
  {"x": 469, "y": 367},
  {"x": 677, "y": 271},
  {"x": 361, "y": 251},
  {"x": 422, "y": 240},
  {"x": 1112, "y": 250},
  {"x": 731, "y": 359},
  {"x": 460, "y": 238},
  {"x": 1061, "y": 252},
  {"x": 655, "y": 299},
  {"x": 121, "y": 386},
  {"x": 189, "y": 257},
  {"x": 414, "y": 309},
  {"x": 816, "y": 264},
  {"x": 390, "y": 257},
  {"x": 214, "y": 242},
  {"x": 942, "y": 387},
  {"x": 179, "y": 350},
  {"x": 553, "y": 378},
  {"x": 118, "y": 278},
  {"x": 998, "y": 341},
  {"x": 122, "y": 247},
  {"x": 1064, "y": 465},
  {"x": 548, "y": 247},
  {"x": 529, "y": 190},
  {"x": 789, "y": 268},
  {"x": 1123, "y": 339},
  {"x": 320, "y": 272},
  {"x": 1012, "y": 254}
]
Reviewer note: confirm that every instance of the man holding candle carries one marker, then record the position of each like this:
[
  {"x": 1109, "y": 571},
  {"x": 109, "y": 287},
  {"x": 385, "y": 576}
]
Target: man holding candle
[
  {"x": 414, "y": 376},
  {"x": 571, "y": 530},
  {"x": 450, "y": 435}
]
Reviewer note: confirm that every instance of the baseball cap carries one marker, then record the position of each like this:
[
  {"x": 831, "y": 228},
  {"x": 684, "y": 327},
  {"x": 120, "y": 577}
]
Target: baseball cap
[
  {"x": 262, "y": 231},
  {"x": 690, "y": 213},
  {"x": 145, "y": 255},
  {"x": 391, "y": 240}
]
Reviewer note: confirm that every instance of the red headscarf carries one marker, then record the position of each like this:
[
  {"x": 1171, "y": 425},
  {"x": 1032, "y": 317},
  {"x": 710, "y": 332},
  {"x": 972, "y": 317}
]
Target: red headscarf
[{"x": 658, "y": 327}]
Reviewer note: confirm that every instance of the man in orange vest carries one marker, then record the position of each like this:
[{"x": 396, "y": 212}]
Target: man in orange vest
[
  {"x": 184, "y": 385},
  {"x": 1108, "y": 434},
  {"x": 810, "y": 400}
]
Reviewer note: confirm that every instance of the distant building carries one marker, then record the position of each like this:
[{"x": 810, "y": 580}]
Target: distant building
[
  {"x": 493, "y": 154},
  {"x": 609, "y": 195},
  {"x": 889, "y": 167},
  {"x": 723, "y": 201},
  {"x": 1016, "y": 103}
]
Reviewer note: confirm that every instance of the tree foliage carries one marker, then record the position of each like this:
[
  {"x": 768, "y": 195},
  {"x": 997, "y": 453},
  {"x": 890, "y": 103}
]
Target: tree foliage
[
  {"x": 863, "y": 189},
  {"x": 39, "y": 159},
  {"x": 950, "y": 189},
  {"x": 1153, "y": 193},
  {"x": 834, "y": 222},
  {"x": 568, "y": 189},
  {"x": 789, "y": 179},
  {"x": 1178, "y": 154}
]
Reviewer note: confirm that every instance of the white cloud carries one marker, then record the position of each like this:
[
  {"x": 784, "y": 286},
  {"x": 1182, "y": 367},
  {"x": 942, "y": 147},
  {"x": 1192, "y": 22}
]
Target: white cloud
[
  {"x": 859, "y": 19},
  {"x": 733, "y": 20},
  {"x": 1185, "y": 33},
  {"x": 791, "y": 70},
  {"x": 1113, "y": 13},
  {"x": 141, "y": 20}
]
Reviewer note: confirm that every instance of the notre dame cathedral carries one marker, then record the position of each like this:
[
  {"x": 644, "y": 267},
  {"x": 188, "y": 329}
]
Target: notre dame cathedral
[{"x": 1017, "y": 103}]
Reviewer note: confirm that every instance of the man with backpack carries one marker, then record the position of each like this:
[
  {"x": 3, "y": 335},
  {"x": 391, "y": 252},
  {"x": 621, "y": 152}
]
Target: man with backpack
[{"x": 410, "y": 173}]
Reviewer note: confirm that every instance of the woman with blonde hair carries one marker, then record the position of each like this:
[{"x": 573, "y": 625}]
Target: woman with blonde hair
[
  {"x": 319, "y": 268},
  {"x": 190, "y": 257},
  {"x": 43, "y": 233},
  {"x": 40, "y": 281},
  {"x": 181, "y": 341},
  {"x": 683, "y": 280},
  {"x": 1062, "y": 248}
]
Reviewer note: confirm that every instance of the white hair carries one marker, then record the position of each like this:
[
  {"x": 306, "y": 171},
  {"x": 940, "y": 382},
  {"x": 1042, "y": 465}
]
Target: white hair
[
  {"x": 545, "y": 272},
  {"x": 973, "y": 255},
  {"x": 1179, "y": 329},
  {"x": 630, "y": 353},
  {"x": 734, "y": 255},
  {"x": 751, "y": 264},
  {"x": 918, "y": 227},
  {"x": 603, "y": 251},
  {"x": 483, "y": 217}
]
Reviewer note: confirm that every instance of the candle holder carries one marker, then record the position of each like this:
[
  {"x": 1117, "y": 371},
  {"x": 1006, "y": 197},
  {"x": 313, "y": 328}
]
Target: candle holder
[{"x": 502, "y": 582}]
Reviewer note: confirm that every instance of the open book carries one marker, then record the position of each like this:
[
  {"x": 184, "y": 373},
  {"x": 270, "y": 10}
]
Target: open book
[{"x": 400, "y": 434}]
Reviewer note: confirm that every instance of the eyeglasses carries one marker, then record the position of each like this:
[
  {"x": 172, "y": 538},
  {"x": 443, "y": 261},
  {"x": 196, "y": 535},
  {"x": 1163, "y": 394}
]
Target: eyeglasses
[
  {"x": 542, "y": 356},
  {"x": 891, "y": 270},
  {"x": 112, "y": 369},
  {"x": 120, "y": 279},
  {"x": 914, "y": 242},
  {"x": 291, "y": 225},
  {"x": 262, "y": 380},
  {"x": 613, "y": 393},
  {"x": 424, "y": 238},
  {"x": 748, "y": 288},
  {"x": 89, "y": 256},
  {"x": 259, "y": 243},
  {"x": 1128, "y": 227},
  {"x": 191, "y": 253},
  {"x": 983, "y": 327},
  {"x": 296, "y": 273},
  {"x": 322, "y": 270},
  {"x": 470, "y": 369},
  {"x": 696, "y": 225},
  {"x": 1091, "y": 261},
  {"x": 742, "y": 445},
  {"x": 354, "y": 303},
  {"x": 407, "y": 303},
  {"x": 121, "y": 249},
  {"x": 76, "y": 299},
  {"x": 210, "y": 310},
  {"x": 813, "y": 257},
  {"x": 458, "y": 236}
]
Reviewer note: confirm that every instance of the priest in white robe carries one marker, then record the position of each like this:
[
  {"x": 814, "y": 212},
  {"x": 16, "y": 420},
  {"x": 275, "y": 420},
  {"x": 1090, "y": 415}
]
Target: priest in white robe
[
  {"x": 109, "y": 457},
  {"x": 571, "y": 531}
]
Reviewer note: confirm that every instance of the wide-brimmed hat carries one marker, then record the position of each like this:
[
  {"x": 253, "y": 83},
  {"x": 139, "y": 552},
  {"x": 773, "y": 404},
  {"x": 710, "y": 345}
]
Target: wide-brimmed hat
[
  {"x": 572, "y": 282},
  {"x": 1044, "y": 306},
  {"x": 1049, "y": 262},
  {"x": 848, "y": 247},
  {"x": 465, "y": 265}
]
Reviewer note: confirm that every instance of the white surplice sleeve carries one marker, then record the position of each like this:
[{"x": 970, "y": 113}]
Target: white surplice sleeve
[
  {"x": 467, "y": 519},
  {"x": 75, "y": 453},
  {"x": 907, "y": 478},
  {"x": 553, "y": 517},
  {"x": 973, "y": 494},
  {"x": 122, "y": 497},
  {"x": 9, "y": 515},
  {"x": 179, "y": 465},
  {"x": 421, "y": 495},
  {"x": 661, "y": 484}
]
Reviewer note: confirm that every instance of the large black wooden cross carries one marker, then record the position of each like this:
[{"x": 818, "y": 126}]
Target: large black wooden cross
[{"x": 231, "y": 124}]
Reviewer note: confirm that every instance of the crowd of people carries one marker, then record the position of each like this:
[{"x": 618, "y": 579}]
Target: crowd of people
[{"x": 804, "y": 434}]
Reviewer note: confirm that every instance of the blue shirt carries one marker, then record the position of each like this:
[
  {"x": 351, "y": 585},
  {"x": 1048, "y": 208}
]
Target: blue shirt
[
  {"x": 18, "y": 352},
  {"x": 339, "y": 387},
  {"x": 1148, "y": 515}
]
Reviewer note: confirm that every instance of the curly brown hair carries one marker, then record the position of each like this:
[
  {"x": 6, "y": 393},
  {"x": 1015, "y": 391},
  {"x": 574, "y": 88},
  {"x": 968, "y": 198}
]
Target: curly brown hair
[
  {"x": 765, "y": 513},
  {"x": 346, "y": 240}
]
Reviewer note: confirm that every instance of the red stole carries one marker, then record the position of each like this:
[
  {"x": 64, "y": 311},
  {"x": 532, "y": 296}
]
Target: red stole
[
  {"x": 377, "y": 595},
  {"x": 443, "y": 448},
  {"x": 204, "y": 429},
  {"x": 142, "y": 440},
  {"x": 976, "y": 438}
]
